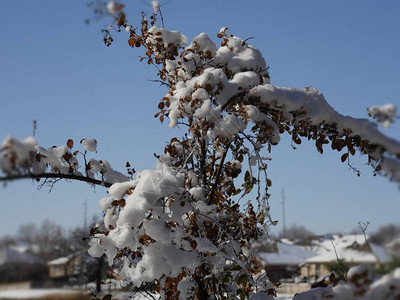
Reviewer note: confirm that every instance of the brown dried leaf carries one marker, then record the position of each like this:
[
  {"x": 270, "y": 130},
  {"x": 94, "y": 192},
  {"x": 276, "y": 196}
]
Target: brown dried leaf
[
  {"x": 70, "y": 143},
  {"x": 351, "y": 150},
  {"x": 296, "y": 139},
  {"x": 107, "y": 297},
  {"x": 269, "y": 182},
  {"x": 132, "y": 42}
]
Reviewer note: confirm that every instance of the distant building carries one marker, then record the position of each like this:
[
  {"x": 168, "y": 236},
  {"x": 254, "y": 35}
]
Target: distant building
[
  {"x": 281, "y": 260},
  {"x": 350, "y": 249},
  {"x": 64, "y": 268}
]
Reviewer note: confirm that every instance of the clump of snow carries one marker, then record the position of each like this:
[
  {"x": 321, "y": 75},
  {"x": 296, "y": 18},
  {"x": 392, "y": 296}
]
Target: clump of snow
[
  {"x": 89, "y": 145},
  {"x": 15, "y": 152},
  {"x": 186, "y": 287},
  {"x": 119, "y": 189},
  {"x": 174, "y": 38},
  {"x": 111, "y": 175},
  {"x": 387, "y": 287},
  {"x": 155, "y": 5},
  {"x": 229, "y": 126},
  {"x": 55, "y": 158},
  {"x": 316, "y": 293},
  {"x": 384, "y": 114},
  {"x": 112, "y": 7},
  {"x": 358, "y": 271},
  {"x": 222, "y": 31},
  {"x": 203, "y": 43},
  {"x": 239, "y": 56}
]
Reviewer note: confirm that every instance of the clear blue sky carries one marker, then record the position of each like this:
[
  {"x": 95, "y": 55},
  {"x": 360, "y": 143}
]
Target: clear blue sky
[{"x": 56, "y": 70}]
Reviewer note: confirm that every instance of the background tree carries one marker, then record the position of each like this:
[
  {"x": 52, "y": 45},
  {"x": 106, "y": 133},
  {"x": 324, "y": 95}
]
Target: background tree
[
  {"x": 385, "y": 234},
  {"x": 296, "y": 232}
]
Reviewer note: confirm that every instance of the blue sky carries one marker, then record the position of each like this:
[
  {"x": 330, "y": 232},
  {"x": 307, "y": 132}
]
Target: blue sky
[{"x": 56, "y": 70}]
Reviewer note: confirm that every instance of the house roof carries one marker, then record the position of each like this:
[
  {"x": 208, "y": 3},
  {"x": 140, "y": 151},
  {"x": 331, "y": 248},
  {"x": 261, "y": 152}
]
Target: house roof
[
  {"x": 58, "y": 261},
  {"x": 350, "y": 248},
  {"x": 284, "y": 254}
]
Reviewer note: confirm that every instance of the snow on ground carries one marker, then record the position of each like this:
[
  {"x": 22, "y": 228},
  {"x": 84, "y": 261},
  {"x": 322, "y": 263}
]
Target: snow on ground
[
  {"x": 35, "y": 293},
  {"x": 41, "y": 293}
]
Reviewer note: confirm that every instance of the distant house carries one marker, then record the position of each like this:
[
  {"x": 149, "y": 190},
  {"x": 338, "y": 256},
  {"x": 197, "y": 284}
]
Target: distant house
[
  {"x": 64, "y": 268},
  {"x": 351, "y": 249},
  {"x": 281, "y": 260}
]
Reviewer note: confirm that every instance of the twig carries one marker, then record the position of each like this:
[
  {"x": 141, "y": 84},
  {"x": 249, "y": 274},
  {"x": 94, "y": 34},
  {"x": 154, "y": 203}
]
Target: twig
[
  {"x": 57, "y": 176},
  {"x": 220, "y": 167},
  {"x": 34, "y": 128},
  {"x": 338, "y": 260},
  {"x": 363, "y": 227}
]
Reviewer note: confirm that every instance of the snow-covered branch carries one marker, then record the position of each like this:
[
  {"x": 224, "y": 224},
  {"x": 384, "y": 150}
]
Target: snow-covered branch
[
  {"x": 23, "y": 159},
  {"x": 38, "y": 177}
]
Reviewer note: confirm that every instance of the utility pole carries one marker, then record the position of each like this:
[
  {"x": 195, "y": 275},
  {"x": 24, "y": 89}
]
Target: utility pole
[
  {"x": 85, "y": 216},
  {"x": 283, "y": 212}
]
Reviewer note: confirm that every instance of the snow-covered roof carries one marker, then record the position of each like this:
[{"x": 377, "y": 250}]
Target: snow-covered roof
[
  {"x": 286, "y": 255},
  {"x": 350, "y": 248},
  {"x": 394, "y": 246},
  {"x": 58, "y": 261},
  {"x": 348, "y": 255},
  {"x": 381, "y": 254}
]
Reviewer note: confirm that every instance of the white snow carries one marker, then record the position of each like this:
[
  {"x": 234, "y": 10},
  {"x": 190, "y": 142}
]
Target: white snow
[
  {"x": 89, "y": 145},
  {"x": 58, "y": 261},
  {"x": 348, "y": 249},
  {"x": 35, "y": 293},
  {"x": 155, "y": 5},
  {"x": 384, "y": 114},
  {"x": 286, "y": 255}
]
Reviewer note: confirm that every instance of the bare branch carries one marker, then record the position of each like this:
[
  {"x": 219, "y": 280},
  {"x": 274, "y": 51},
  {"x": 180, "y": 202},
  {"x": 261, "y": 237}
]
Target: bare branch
[
  {"x": 221, "y": 164},
  {"x": 57, "y": 176}
]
